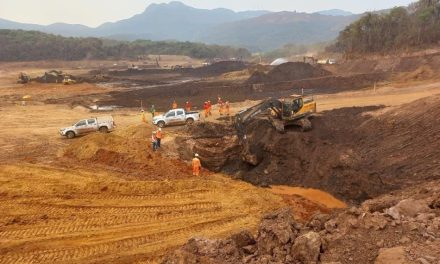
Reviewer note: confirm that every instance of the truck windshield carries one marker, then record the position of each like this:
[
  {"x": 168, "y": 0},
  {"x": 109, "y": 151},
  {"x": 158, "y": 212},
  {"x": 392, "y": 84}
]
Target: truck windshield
[
  {"x": 81, "y": 123},
  {"x": 170, "y": 114}
]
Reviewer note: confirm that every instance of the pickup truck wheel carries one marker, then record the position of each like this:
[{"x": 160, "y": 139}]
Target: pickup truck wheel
[
  {"x": 190, "y": 121},
  {"x": 161, "y": 124},
  {"x": 70, "y": 134},
  {"x": 103, "y": 129}
]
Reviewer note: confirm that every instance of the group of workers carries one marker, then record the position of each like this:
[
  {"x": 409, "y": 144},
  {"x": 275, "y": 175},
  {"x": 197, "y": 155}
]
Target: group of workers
[
  {"x": 223, "y": 107},
  {"x": 187, "y": 105},
  {"x": 156, "y": 138}
]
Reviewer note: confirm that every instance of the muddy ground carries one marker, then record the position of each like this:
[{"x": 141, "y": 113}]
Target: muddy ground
[
  {"x": 107, "y": 198},
  {"x": 354, "y": 153}
]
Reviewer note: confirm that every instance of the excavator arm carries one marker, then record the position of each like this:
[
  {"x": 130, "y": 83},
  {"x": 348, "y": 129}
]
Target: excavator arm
[{"x": 243, "y": 117}]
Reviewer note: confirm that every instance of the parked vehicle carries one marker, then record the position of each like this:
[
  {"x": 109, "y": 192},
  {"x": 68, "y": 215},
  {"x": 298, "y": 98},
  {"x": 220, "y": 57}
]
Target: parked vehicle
[
  {"x": 176, "y": 117},
  {"x": 102, "y": 124}
]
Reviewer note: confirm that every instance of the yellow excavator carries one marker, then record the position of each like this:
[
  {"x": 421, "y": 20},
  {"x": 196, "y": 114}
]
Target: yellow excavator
[{"x": 294, "y": 110}]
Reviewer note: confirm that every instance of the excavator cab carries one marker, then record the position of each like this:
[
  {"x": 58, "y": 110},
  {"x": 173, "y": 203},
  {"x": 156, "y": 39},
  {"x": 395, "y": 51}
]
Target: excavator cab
[
  {"x": 290, "y": 107},
  {"x": 291, "y": 111}
]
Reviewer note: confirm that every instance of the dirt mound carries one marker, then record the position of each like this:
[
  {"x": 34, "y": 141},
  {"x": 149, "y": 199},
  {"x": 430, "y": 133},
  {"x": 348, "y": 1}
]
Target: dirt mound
[
  {"x": 126, "y": 151},
  {"x": 219, "y": 68},
  {"x": 353, "y": 153},
  {"x": 290, "y": 71},
  {"x": 420, "y": 74},
  {"x": 406, "y": 227}
]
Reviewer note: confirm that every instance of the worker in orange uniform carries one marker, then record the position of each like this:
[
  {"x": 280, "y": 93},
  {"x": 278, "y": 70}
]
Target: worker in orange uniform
[
  {"x": 159, "y": 136},
  {"x": 227, "y": 108},
  {"x": 154, "y": 141},
  {"x": 174, "y": 104},
  {"x": 197, "y": 165},
  {"x": 220, "y": 106},
  {"x": 209, "y": 108},
  {"x": 206, "y": 108},
  {"x": 188, "y": 106},
  {"x": 144, "y": 119}
]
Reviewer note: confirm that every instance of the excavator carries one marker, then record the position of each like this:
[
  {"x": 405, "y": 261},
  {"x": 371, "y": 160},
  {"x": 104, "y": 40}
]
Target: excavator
[{"x": 294, "y": 110}]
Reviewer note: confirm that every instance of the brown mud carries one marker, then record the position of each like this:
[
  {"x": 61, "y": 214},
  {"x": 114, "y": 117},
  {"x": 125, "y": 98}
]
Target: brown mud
[{"x": 354, "y": 153}]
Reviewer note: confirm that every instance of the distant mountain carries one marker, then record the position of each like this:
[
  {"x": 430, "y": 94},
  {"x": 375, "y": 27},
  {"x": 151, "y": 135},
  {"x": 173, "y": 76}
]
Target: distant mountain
[
  {"x": 68, "y": 30},
  {"x": 173, "y": 21},
  {"x": 274, "y": 30},
  {"x": 335, "y": 12},
  {"x": 256, "y": 30}
]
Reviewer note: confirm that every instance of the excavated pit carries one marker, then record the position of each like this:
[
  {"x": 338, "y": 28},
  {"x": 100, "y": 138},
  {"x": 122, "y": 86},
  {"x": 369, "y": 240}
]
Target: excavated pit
[{"x": 354, "y": 153}]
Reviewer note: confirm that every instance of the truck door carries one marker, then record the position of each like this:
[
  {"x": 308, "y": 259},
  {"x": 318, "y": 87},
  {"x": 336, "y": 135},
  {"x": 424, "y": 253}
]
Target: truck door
[
  {"x": 180, "y": 116},
  {"x": 81, "y": 127},
  {"x": 171, "y": 117},
  {"x": 92, "y": 126}
]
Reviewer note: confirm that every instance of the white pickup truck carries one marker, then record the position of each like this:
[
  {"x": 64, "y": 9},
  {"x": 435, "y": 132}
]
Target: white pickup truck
[
  {"x": 102, "y": 124},
  {"x": 176, "y": 117}
]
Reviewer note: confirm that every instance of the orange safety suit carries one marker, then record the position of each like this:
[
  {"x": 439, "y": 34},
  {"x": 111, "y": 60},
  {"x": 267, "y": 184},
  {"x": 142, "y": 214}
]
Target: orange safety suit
[
  {"x": 227, "y": 108},
  {"x": 197, "y": 166},
  {"x": 174, "y": 105},
  {"x": 206, "y": 108},
  {"x": 158, "y": 138},
  {"x": 144, "y": 119},
  {"x": 188, "y": 106},
  {"x": 221, "y": 107},
  {"x": 209, "y": 108}
]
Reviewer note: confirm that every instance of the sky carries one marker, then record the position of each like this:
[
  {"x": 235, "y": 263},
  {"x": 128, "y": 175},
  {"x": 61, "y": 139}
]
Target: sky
[{"x": 95, "y": 12}]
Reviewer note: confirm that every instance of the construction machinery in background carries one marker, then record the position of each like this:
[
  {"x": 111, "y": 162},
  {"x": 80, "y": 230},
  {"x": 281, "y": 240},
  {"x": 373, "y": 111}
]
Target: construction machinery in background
[
  {"x": 291, "y": 111},
  {"x": 68, "y": 81},
  {"x": 23, "y": 78}
]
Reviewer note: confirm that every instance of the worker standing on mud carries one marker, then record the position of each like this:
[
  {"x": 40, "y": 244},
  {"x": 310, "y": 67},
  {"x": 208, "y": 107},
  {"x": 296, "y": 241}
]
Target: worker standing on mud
[
  {"x": 209, "y": 108},
  {"x": 197, "y": 165},
  {"x": 152, "y": 110},
  {"x": 206, "y": 108},
  {"x": 159, "y": 136},
  {"x": 174, "y": 106},
  {"x": 188, "y": 106},
  {"x": 154, "y": 141},
  {"x": 144, "y": 119},
  {"x": 227, "y": 108},
  {"x": 220, "y": 106}
]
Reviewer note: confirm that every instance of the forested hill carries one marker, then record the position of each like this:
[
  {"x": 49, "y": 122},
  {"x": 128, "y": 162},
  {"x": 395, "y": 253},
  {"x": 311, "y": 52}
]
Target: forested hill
[
  {"x": 415, "y": 27},
  {"x": 19, "y": 45}
]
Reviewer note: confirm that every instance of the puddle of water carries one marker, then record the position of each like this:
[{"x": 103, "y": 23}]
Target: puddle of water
[{"x": 313, "y": 195}]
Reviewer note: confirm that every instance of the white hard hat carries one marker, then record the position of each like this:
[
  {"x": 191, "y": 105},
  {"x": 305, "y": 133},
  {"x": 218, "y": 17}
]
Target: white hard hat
[
  {"x": 160, "y": 129},
  {"x": 196, "y": 155}
]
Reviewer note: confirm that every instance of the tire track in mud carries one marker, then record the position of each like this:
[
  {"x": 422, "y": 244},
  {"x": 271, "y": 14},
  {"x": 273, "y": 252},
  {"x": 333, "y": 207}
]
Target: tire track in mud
[
  {"x": 100, "y": 249},
  {"x": 96, "y": 224},
  {"x": 109, "y": 210}
]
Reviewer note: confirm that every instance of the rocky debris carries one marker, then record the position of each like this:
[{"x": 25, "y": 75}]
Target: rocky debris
[
  {"x": 408, "y": 208},
  {"x": 276, "y": 234},
  {"x": 391, "y": 256},
  {"x": 353, "y": 235},
  {"x": 307, "y": 248},
  {"x": 277, "y": 241}
]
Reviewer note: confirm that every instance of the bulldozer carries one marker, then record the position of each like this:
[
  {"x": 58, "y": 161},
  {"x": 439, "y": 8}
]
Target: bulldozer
[{"x": 294, "y": 110}]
